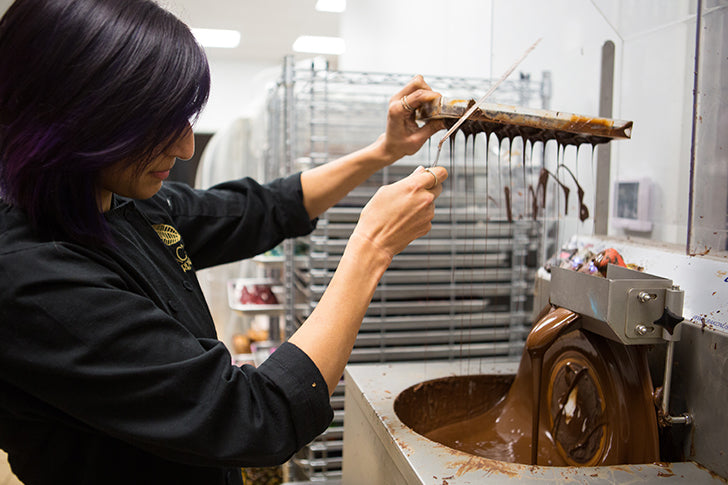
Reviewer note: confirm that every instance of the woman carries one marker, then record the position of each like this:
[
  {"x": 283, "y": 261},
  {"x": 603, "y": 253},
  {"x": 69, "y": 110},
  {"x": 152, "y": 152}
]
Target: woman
[{"x": 110, "y": 370}]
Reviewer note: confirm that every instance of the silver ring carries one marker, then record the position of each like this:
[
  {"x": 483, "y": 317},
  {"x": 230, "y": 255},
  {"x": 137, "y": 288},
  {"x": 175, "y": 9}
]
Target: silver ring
[
  {"x": 406, "y": 105},
  {"x": 433, "y": 174}
]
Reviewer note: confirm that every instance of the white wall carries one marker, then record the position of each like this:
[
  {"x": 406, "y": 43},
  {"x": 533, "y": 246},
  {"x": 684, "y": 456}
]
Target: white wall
[
  {"x": 654, "y": 42},
  {"x": 418, "y": 37},
  {"x": 238, "y": 90}
]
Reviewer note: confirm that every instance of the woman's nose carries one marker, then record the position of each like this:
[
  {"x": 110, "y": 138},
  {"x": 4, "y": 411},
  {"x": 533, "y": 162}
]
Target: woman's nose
[{"x": 184, "y": 147}]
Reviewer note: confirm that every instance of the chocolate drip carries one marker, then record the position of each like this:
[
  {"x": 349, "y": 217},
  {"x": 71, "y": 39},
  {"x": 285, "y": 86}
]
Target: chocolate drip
[
  {"x": 583, "y": 209},
  {"x": 509, "y": 210},
  {"x": 543, "y": 179},
  {"x": 595, "y": 403},
  {"x": 476, "y": 124}
]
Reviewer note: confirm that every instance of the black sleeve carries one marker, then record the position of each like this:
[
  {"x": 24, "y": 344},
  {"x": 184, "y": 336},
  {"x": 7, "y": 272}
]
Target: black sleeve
[
  {"x": 234, "y": 220},
  {"x": 73, "y": 337}
]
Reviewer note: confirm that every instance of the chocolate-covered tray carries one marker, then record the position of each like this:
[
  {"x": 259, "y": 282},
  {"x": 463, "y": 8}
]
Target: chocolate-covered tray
[{"x": 531, "y": 124}]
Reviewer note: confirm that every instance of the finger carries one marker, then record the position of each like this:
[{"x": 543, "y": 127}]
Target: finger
[
  {"x": 439, "y": 172},
  {"x": 436, "y": 191},
  {"x": 424, "y": 179},
  {"x": 427, "y": 178},
  {"x": 415, "y": 100},
  {"x": 427, "y": 175},
  {"x": 430, "y": 128},
  {"x": 417, "y": 82}
]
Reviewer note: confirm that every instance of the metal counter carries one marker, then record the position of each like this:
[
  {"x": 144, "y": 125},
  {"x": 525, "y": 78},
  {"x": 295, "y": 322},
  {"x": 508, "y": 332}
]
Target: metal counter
[{"x": 379, "y": 448}]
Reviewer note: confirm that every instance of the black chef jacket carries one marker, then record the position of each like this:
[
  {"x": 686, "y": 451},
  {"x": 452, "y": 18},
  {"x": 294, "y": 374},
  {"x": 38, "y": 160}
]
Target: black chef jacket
[{"x": 110, "y": 369}]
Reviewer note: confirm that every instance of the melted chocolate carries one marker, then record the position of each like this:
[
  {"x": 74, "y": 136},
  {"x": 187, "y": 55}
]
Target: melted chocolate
[
  {"x": 583, "y": 210},
  {"x": 473, "y": 126},
  {"x": 595, "y": 404},
  {"x": 509, "y": 210},
  {"x": 543, "y": 335},
  {"x": 543, "y": 179}
]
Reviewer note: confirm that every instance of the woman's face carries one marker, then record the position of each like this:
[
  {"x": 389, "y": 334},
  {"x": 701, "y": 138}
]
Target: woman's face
[{"x": 124, "y": 179}]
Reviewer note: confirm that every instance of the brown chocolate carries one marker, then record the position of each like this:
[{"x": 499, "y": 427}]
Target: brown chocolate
[
  {"x": 509, "y": 210},
  {"x": 474, "y": 126},
  {"x": 595, "y": 404},
  {"x": 548, "y": 328}
]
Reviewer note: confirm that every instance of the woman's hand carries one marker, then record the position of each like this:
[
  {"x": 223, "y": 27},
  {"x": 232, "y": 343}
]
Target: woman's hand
[
  {"x": 403, "y": 135},
  {"x": 394, "y": 217},
  {"x": 401, "y": 212},
  {"x": 325, "y": 185}
]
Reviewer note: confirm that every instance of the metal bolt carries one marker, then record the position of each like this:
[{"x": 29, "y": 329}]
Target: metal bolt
[
  {"x": 644, "y": 297},
  {"x": 641, "y": 330}
]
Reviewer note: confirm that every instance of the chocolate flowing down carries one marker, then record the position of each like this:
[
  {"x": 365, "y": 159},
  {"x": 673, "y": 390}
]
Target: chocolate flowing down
[
  {"x": 595, "y": 404},
  {"x": 533, "y": 125},
  {"x": 543, "y": 335}
]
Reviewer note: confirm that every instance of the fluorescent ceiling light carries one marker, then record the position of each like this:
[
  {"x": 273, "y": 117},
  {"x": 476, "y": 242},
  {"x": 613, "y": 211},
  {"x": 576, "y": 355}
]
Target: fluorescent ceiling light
[
  {"x": 227, "y": 39},
  {"x": 336, "y": 6},
  {"x": 319, "y": 45}
]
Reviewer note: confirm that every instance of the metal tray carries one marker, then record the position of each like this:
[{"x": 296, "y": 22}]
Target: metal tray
[
  {"x": 429, "y": 352},
  {"x": 469, "y": 248},
  {"x": 462, "y": 277},
  {"x": 418, "y": 261},
  {"x": 425, "y": 307},
  {"x": 435, "y": 337},
  {"x": 391, "y": 293},
  {"x": 530, "y": 124},
  {"x": 496, "y": 318},
  {"x": 439, "y": 231},
  {"x": 443, "y": 214}
]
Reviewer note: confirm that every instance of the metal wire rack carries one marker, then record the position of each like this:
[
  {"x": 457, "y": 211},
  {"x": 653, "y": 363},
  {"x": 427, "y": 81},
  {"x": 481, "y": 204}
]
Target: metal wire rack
[{"x": 464, "y": 290}]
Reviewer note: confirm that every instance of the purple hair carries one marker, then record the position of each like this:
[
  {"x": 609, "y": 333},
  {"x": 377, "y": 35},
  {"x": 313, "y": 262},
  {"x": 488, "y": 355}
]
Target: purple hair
[{"x": 85, "y": 84}]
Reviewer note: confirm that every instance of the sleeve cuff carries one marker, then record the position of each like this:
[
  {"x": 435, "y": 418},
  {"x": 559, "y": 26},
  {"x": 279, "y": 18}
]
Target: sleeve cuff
[
  {"x": 290, "y": 193},
  {"x": 304, "y": 386}
]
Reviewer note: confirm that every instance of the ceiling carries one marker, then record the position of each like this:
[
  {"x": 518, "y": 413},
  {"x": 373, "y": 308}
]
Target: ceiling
[{"x": 268, "y": 28}]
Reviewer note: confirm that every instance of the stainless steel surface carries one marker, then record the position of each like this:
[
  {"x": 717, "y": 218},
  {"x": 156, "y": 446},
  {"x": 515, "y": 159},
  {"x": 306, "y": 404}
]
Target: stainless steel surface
[
  {"x": 379, "y": 448},
  {"x": 700, "y": 390},
  {"x": 624, "y": 306}
]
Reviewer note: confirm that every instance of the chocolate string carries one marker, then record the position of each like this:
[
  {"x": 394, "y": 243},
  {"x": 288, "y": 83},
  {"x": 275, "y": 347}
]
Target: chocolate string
[
  {"x": 541, "y": 189},
  {"x": 583, "y": 209}
]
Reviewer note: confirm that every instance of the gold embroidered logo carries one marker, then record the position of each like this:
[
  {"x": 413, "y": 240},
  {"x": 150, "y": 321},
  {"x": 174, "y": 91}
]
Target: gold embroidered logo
[
  {"x": 171, "y": 237},
  {"x": 167, "y": 234}
]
